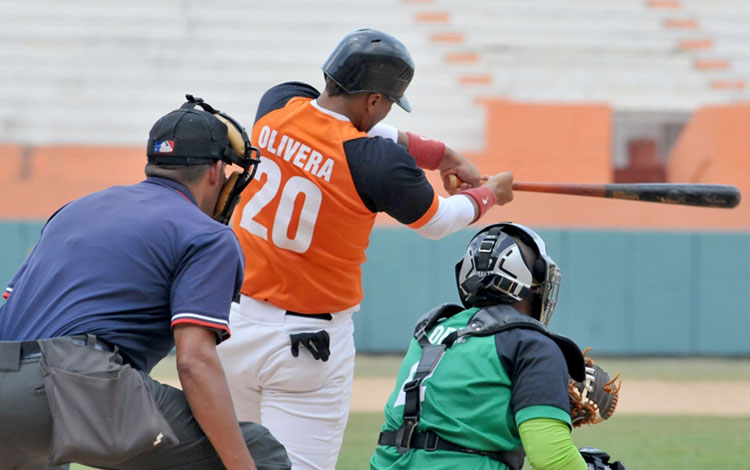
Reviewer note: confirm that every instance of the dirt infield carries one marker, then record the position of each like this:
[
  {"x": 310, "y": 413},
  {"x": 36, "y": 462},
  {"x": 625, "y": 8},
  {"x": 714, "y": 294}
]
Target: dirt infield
[
  {"x": 652, "y": 386},
  {"x": 644, "y": 397}
]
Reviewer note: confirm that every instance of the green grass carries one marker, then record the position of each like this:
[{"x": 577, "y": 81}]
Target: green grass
[
  {"x": 671, "y": 442},
  {"x": 360, "y": 439},
  {"x": 641, "y": 442}
]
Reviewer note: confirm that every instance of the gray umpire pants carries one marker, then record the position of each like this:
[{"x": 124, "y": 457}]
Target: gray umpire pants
[{"x": 26, "y": 426}]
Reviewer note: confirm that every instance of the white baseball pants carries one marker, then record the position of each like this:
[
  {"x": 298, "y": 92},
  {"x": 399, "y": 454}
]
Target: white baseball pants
[{"x": 304, "y": 402}]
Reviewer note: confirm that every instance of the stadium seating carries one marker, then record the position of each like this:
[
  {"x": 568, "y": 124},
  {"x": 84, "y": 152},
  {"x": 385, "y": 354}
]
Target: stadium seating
[{"x": 94, "y": 71}]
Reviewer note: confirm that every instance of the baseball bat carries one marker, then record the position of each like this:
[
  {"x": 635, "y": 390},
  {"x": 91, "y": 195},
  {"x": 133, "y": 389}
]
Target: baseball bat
[{"x": 686, "y": 194}]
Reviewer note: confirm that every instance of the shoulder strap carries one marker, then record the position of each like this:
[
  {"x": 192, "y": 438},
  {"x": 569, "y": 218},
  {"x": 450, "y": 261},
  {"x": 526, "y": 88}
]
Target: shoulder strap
[
  {"x": 431, "y": 354},
  {"x": 485, "y": 322},
  {"x": 430, "y": 319}
]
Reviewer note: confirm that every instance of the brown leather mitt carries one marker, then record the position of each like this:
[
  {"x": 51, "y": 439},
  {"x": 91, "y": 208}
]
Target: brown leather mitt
[{"x": 595, "y": 399}]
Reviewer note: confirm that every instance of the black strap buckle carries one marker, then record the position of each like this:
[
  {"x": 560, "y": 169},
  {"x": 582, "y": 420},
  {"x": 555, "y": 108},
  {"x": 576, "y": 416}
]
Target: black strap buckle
[
  {"x": 487, "y": 244},
  {"x": 431, "y": 442},
  {"x": 421, "y": 332},
  {"x": 404, "y": 435},
  {"x": 408, "y": 387}
]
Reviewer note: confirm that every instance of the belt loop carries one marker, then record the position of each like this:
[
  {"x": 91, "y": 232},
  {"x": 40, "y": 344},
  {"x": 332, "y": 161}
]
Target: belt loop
[
  {"x": 90, "y": 340},
  {"x": 10, "y": 356}
]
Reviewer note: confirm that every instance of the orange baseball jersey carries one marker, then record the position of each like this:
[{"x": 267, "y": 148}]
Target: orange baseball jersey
[{"x": 304, "y": 222}]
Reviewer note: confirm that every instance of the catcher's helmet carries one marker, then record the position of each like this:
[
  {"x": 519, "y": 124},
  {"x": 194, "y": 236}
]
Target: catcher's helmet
[
  {"x": 370, "y": 60},
  {"x": 506, "y": 263}
]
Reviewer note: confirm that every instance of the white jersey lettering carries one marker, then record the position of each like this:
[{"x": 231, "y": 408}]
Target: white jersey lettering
[{"x": 299, "y": 154}]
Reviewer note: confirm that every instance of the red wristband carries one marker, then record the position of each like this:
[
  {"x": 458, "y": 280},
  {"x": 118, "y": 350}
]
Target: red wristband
[
  {"x": 427, "y": 152},
  {"x": 483, "y": 196}
]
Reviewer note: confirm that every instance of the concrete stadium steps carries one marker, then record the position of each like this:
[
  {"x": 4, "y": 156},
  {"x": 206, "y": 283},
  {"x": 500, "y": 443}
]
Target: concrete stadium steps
[
  {"x": 633, "y": 55},
  {"x": 84, "y": 61}
]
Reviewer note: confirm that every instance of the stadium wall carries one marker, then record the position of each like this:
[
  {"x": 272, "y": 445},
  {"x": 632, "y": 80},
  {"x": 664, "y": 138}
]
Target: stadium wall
[
  {"x": 623, "y": 292},
  {"x": 640, "y": 279}
]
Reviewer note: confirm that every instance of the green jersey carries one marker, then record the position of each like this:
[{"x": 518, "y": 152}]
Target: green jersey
[{"x": 482, "y": 389}]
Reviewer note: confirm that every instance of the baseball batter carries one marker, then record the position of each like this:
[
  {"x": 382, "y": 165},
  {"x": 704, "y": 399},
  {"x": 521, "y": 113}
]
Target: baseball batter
[
  {"x": 304, "y": 223},
  {"x": 119, "y": 278},
  {"x": 485, "y": 381}
]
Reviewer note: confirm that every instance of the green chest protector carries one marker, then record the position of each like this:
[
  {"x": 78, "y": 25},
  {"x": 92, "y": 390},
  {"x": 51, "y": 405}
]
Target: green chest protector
[{"x": 485, "y": 322}]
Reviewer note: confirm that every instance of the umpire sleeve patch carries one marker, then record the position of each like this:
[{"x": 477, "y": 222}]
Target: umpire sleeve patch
[{"x": 220, "y": 326}]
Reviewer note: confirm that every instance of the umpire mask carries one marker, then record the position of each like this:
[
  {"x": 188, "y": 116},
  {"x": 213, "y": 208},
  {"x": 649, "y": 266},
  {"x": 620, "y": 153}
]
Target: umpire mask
[
  {"x": 190, "y": 136},
  {"x": 506, "y": 263}
]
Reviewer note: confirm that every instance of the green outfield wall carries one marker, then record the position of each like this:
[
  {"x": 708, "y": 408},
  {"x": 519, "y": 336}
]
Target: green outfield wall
[
  {"x": 630, "y": 293},
  {"x": 16, "y": 241},
  {"x": 623, "y": 292}
]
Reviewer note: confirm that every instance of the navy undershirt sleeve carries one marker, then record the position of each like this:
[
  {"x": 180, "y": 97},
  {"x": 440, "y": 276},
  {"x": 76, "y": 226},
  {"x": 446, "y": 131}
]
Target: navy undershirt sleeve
[
  {"x": 537, "y": 369},
  {"x": 278, "y": 96},
  {"x": 209, "y": 275},
  {"x": 387, "y": 178}
]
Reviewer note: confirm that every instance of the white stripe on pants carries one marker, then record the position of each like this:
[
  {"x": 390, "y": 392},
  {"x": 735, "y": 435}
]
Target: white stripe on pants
[{"x": 304, "y": 402}]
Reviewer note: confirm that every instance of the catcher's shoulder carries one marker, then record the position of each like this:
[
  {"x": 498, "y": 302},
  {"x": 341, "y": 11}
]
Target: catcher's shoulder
[
  {"x": 527, "y": 341},
  {"x": 543, "y": 345}
]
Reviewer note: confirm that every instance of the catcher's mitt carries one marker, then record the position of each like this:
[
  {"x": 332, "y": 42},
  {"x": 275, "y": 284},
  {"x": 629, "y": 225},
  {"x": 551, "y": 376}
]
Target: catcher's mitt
[{"x": 595, "y": 399}]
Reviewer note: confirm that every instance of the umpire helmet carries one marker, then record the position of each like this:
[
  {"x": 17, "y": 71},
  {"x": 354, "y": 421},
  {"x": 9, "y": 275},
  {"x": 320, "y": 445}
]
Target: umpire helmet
[
  {"x": 506, "y": 263},
  {"x": 373, "y": 61},
  {"x": 192, "y": 136},
  {"x": 196, "y": 133}
]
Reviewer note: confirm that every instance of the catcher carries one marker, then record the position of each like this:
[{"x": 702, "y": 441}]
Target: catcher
[{"x": 485, "y": 383}]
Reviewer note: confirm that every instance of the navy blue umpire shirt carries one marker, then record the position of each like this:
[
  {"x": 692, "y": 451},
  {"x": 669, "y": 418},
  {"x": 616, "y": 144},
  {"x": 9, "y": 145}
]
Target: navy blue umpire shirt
[{"x": 126, "y": 264}]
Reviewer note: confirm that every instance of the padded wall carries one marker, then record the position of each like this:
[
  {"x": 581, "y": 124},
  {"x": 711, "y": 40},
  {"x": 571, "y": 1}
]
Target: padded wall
[
  {"x": 623, "y": 292},
  {"x": 631, "y": 293}
]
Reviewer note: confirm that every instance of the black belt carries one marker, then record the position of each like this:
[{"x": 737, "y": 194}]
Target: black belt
[
  {"x": 319, "y": 316},
  {"x": 31, "y": 349},
  {"x": 430, "y": 442}
]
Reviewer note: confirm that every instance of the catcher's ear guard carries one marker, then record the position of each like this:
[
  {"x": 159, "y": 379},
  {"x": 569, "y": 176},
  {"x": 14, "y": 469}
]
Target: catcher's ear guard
[
  {"x": 239, "y": 152},
  {"x": 230, "y": 195}
]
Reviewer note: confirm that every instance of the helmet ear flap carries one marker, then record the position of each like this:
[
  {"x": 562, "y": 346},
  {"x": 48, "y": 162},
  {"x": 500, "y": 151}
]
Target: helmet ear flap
[
  {"x": 539, "y": 270},
  {"x": 239, "y": 151},
  {"x": 236, "y": 140}
]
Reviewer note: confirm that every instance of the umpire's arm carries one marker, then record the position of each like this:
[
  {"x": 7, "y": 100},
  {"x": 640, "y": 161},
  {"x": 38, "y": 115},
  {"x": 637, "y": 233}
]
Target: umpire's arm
[{"x": 205, "y": 387}]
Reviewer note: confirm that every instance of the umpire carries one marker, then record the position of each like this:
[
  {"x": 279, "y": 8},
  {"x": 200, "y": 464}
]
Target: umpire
[{"x": 117, "y": 279}]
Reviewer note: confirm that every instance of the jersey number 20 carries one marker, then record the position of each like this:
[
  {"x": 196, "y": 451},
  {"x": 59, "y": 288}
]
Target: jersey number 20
[{"x": 300, "y": 241}]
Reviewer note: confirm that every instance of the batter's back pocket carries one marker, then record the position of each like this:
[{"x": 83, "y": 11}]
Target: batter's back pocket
[{"x": 102, "y": 411}]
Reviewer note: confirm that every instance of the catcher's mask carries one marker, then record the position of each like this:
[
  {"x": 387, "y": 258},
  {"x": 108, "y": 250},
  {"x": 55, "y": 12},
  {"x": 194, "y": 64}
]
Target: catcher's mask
[
  {"x": 506, "y": 263},
  {"x": 370, "y": 60},
  {"x": 190, "y": 136}
]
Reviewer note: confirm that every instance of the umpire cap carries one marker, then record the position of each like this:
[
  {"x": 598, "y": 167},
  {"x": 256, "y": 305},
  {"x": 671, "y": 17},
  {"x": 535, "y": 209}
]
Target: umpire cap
[
  {"x": 187, "y": 136},
  {"x": 373, "y": 61}
]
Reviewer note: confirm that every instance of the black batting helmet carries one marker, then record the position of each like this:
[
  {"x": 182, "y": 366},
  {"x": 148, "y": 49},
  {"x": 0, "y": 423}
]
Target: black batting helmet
[{"x": 370, "y": 60}]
